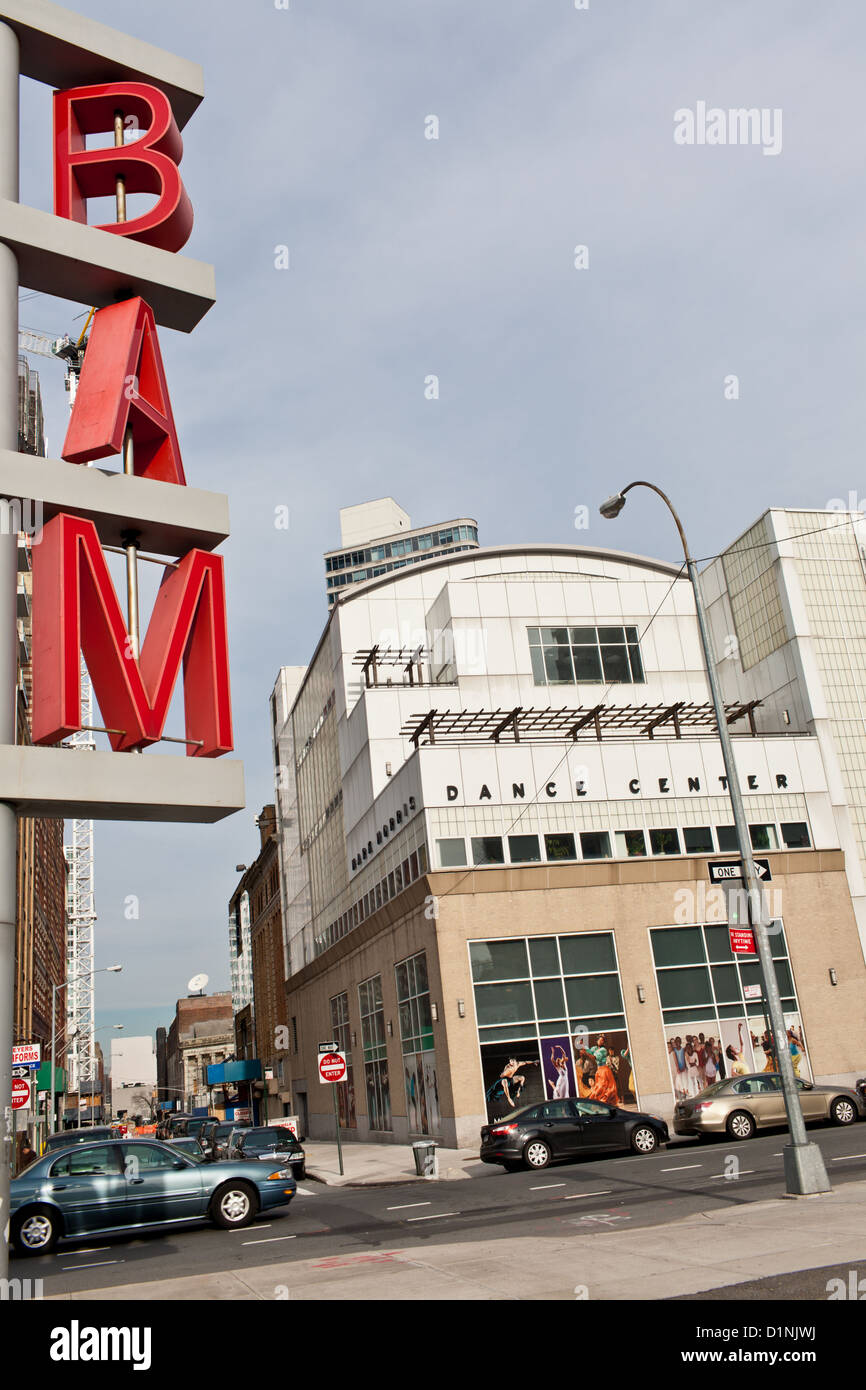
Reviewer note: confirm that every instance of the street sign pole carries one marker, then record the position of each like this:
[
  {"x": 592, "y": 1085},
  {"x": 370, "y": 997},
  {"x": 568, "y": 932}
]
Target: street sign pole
[{"x": 337, "y": 1129}]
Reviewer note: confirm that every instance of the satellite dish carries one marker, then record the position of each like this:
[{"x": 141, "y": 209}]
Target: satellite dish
[{"x": 197, "y": 983}]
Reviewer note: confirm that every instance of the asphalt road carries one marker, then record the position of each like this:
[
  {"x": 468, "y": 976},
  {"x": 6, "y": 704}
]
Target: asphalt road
[{"x": 328, "y": 1222}]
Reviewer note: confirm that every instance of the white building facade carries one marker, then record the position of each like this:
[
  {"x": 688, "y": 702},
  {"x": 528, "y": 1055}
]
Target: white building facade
[{"x": 509, "y": 790}]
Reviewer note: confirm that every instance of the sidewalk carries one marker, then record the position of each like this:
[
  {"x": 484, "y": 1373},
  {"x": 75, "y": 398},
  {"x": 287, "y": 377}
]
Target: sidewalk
[
  {"x": 371, "y": 1164},
  {"x": 708, "y": 1250}
]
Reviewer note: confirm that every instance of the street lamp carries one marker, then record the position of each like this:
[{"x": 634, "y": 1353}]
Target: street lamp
[
  {"x": 805, "y": 1173},
  {"x": 55, "y": 990}
]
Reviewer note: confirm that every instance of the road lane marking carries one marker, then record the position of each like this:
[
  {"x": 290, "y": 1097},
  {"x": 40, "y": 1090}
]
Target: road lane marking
[
  {"x": 437, "y": 1217},
  {"x": 743, "y": 1172},
  {"x": 602, "y": 1193},
  {"x": 239, "y": 1230},
  {"x": 95, "y": 1265},
  {"x": 546, "y": 1185},
  {"x": 407, "y": 1205},
  {"x": 97, "y": 1250},
  {"x": 844, "y": 1157},
  {"x": 268, "y": 1240},
  {"x": 303, "y": 1192},
  {"x": 681, "y": 1168}
]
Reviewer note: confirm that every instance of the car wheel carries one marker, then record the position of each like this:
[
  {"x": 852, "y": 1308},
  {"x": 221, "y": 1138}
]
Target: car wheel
[
  {"x": 301, "y": 1173},
  {"x": 35, "y": 1232},
  {"x": 233, "y": 1206},
  {"x": 537, "y": 1154},
  {"x": 843, "y": 1111},
  {"x": 644, "y": 1140},
  {"x": 740, "y": 1125}
]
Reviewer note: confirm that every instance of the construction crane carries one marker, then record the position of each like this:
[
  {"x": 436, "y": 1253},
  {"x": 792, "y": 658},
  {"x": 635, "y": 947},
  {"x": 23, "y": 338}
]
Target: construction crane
[{"x": 82, "y": 1064}]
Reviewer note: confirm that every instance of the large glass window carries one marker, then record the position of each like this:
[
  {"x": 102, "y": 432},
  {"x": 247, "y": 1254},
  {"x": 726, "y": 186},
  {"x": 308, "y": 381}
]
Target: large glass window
[
  {"x": 551, "y": 1023},
  {"x": 713, "y": 1012},
  {"x": 487, "y": 849},
  {"x": 420, "y": 1077},
  {"x": 343, "y": 1038},
  {"x": 698, "y": 839},
  {"x": 560, "y": 846},
  {"x": 524, "y": 849},
  {"x": 795, "y": 834},
  {"x": 585, "y": 655},
  {"x": 375, "y": 1053},
  {"x": 452, "y": 853}
]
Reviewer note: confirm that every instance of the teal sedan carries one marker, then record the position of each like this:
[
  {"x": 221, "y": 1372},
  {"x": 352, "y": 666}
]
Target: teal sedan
[{"x": 114, "y": 1187}]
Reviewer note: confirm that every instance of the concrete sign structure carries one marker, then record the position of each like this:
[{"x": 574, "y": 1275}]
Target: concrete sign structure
[{"x": 129, "y": 271}]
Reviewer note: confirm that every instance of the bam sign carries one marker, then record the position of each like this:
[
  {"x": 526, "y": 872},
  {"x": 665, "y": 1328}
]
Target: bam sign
[{"x": 119, "y": 106}]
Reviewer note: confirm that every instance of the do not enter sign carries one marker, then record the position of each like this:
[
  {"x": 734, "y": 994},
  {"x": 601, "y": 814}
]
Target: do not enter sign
[
  {"x": 332, "y": 1067},
  {"x": 20, "y": 1094}
]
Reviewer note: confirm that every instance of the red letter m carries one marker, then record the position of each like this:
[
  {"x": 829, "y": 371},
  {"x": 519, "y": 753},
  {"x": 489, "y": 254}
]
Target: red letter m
[{"x": 75, "y": 610}]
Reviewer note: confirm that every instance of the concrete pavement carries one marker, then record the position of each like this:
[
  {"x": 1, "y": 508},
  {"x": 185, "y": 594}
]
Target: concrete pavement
[
  {"x": 371, "y": 1164},
  {"x": 711, "y": 1249}
]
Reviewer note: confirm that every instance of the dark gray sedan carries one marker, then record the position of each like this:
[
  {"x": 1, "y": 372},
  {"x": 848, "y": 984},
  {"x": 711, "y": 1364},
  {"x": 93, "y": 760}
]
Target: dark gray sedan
[{"x": 123, "y": 1186}]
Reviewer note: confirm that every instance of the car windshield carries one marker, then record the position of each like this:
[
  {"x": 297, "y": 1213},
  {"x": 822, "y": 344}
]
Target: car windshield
[{"x": 269, "y": 1139}]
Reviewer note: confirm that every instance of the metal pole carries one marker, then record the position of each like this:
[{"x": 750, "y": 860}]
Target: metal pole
[
  {"x": 337, "y": 1127},
  {"x": 9, "y": 68},
  {"x": 53, "y": 1054},
  {"x": 805, "y": 1173}
]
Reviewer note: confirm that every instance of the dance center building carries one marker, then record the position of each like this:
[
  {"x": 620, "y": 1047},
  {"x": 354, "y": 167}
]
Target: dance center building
[{"x": 502, "y": 779}]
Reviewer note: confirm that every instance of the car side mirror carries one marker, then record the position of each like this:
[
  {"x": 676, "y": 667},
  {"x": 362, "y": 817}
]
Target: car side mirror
[{"x": 178, "y": 1163}]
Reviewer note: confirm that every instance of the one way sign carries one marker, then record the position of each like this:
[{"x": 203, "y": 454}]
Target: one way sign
[{"x": 724, "y": 873}]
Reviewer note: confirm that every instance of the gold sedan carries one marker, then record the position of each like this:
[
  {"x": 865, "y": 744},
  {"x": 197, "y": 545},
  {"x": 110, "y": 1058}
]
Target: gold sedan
[{"x": 741, "y": 1105}]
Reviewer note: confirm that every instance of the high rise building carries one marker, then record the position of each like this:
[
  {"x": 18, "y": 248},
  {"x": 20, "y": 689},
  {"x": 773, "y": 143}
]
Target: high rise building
[
  {"x": 377, "y": 537},
  {"x": 40, "y": 938},
  {"x": 787, "y": 608}
]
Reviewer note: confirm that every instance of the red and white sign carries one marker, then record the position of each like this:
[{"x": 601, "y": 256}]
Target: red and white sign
[
  {"x": 289, "y": 1122},
  {"x": 20, "y": 1094},
  {"x": 332, "y": 1067},
  {"x": 26, "y": 1054},
  {"x": 743, "y": 941}
]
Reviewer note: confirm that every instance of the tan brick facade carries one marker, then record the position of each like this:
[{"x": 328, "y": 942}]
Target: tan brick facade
[{"x": 625, "y": 898}]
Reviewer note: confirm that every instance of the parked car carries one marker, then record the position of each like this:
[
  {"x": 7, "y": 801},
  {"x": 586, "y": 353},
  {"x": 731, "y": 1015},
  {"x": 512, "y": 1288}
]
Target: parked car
[
  {"x": 214, "y": 1137},
  {"x": 741, "y": 1105},
  {"x": 118, "y": 1186},
  {"x": 267, "y": 1144},
  {"x": 188, "y": 1144},
  {"x": 537, "y": 1135},
  {"x": 172, "y": 1124},
  {"x": 66, "y": 1138}
]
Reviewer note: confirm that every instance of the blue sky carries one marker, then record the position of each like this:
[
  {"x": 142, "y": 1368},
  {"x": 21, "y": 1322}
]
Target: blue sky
[{"x": 455, "y": 257}]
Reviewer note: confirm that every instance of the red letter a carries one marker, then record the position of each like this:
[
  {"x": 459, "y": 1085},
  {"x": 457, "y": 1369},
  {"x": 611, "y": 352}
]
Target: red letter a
[{"x": 123, "y": 381}]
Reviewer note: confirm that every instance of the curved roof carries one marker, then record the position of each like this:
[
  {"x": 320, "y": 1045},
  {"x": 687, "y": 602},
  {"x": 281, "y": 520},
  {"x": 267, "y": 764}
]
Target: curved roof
[{"x": 485, "y": 552}]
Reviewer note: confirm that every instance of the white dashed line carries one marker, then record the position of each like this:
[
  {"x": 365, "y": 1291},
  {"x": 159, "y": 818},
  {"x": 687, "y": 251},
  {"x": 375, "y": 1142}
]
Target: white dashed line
[
  {"x": 95, "y": 1265},
  {"x": 97, "y": 1250},
  {"x": 844, "y": 1157},
  {"x": 407, "y": 1205},
  {"x": 744, "y": 1172},
  {"x": 681, "y": 1168},
  {"x": 544, "y": 1187},
  {"x": 239, "y": 1230},
  {"x": 437, "y": 1217},
  {"x": 268, "y": 1240},
  {"x": 602, "y": 1193}
]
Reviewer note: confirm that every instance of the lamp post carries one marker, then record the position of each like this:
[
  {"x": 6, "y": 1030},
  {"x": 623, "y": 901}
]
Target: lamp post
[
  {"x": 55, "y": 990},
  {"x": 805, "y": 1173}
]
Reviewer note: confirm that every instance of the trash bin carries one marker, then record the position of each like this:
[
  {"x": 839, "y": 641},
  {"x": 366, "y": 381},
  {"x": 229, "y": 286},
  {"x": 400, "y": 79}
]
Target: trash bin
[{"x": 425, "y": 1157}]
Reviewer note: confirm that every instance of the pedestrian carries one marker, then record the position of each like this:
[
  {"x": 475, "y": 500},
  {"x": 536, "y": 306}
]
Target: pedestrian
[{"x": 26, "y": 1154}]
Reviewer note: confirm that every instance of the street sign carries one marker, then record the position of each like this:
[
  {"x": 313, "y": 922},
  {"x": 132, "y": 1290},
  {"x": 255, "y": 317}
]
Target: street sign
[
  {"x": 332, "y": 1067},
  {"x": 20, "y": 1073},
  {"x": 723, "y": 873},
  {"x": 20, "y": 1094},
  {"x": 751, "y": 991},
  {"x": 328, "y": 1047},
  {"x": 743, "y": 941},
  {"x": 27, "y": 1055}
]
